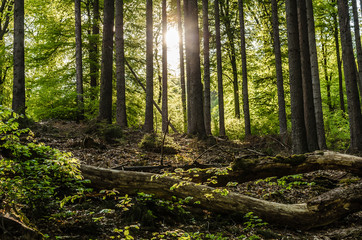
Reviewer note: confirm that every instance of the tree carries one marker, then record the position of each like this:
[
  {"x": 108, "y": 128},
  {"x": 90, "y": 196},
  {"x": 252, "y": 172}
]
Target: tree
[
  {"x": 93, "y": 48},
  {"x": 315, "y": 77},
  {"x": 79, "y": 61},
  {"x": 279, "y": 69},
  {"x": 18, "y": 104},
  {"x": 220, "y": 86},
  {"x": 206, "y": 36},
  {"x": 196, "y": 125},
  {"x": 105, "y": 102},
  {"x": 309, "y": 110},
  {"x": 357, "y": 36},
  {"x": 164, "y": 69},
  {"x": 121, "y": 116},
  {"x": 299, "y": 138},
  {"x": 350, "y": 75},
  {"x": 148, "y": 127},
  {"x": 244, "y": 69}
]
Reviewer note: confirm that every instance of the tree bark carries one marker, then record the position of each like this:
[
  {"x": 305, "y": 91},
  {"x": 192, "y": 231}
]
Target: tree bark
[
  {"x": 309, "y": 110},
  {"x": 357, "y": 36},
  {"x": 182, "y": 64},
  {"x": 105, "y": 101},
  {"x": 319, "y": 211},
  {"x": 121, "y": 113},
  {"x": 244, "y": 69},
  {"x": 93, "y": 49},
  {"x": 220, "y": 86},
  {"x": 164, "y": 69},
  {"x": 148, "y": 126},
  {"x": 196, "y": 125},
  {"x": 315, "y": 77},
  {"x": 349, "y": 64},
  {"x": 279, "y": 70},
  {"x": 18, "y": 104},
  {"x": 206, "y": 35},
  {"x": 79, "y": 60},
  {"x": 299, "y": 138}
]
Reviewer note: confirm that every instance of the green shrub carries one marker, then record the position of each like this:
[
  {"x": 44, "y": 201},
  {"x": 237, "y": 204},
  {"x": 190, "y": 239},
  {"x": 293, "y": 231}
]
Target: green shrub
[{"x": 153, "y": 143}]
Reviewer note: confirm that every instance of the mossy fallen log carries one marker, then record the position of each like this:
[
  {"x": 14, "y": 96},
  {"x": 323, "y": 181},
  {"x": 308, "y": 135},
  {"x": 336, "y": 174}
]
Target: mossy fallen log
[{"x": 319, "y": 211}]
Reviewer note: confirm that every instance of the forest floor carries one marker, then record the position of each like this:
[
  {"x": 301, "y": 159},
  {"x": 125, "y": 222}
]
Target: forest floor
[{"x": 109, "y": 215}]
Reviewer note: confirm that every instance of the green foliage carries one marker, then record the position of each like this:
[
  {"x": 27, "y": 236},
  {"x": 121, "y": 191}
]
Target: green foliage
[
  {"x": 337, "y": 127},
  {"x": 33, "y": 174}
]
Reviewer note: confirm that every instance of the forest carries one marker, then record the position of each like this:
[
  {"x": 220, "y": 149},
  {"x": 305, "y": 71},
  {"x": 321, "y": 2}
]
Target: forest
[{"x": 170, "y": 119}]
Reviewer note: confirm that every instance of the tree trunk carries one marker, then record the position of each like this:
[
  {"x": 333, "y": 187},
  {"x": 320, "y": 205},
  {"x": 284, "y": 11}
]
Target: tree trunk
[
  {"x": 148, "y": 127},
  {"x": 357, "y": 36},
  {"x": 299, "y": 138},
  {"x": 206, "y": 35},
  {"x": 309, "y": 110},
  {"x": 93, "y": 50},
  {"x": 121, "y": 114},
  {"x": 244, "y": 69},
  {"x": 187, "y": 27},
  {"x": 339, "y": 62},
  {"x": 315, "y": 77},
  {"x": 354, "y": 107},
  {"x": 182, "y": 64},
  {"x": 18, "y": 104},
  {"x": 279, "y": 70},
  {"x": 164, "y": 69},
  {"x": 79, "y": 61},
  {"x": 319, "y": 211},
  {"x": 220, "y": 87},
  {"x": 196, "y": 113},
  {"x": 105, "y": 101},
  {"x": 325, "y": 69}
]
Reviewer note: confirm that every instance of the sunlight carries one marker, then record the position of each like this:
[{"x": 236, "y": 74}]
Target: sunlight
[{"x": 172, "y": 39}]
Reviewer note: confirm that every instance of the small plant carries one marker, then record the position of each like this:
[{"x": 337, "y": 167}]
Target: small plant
[{"x": 153, "y": 143}]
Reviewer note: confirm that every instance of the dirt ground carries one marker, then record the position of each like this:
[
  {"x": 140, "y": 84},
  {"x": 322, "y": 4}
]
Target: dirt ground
[{"x": 93, "y": 145}]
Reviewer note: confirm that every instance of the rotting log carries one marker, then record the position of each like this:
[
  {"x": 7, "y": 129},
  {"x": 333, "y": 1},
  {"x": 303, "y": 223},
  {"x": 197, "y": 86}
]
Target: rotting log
[
  {"x": 11, "y": 228},
  {"x": 319, "y": 211}
]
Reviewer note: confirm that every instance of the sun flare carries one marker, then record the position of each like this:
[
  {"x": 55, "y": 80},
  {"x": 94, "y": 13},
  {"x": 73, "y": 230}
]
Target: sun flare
[{"x": 172, "y": 39}]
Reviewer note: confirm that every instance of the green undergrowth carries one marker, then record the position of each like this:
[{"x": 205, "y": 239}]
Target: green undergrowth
[{"x": 153, "y": 142}]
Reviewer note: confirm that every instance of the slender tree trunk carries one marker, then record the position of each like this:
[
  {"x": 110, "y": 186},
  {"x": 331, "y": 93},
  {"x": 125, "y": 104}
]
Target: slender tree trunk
[
  {"x": 279, "y": 70},
  {"x": 121, "y": 116},
  {"x": 187, "y": 26},
  {"x": 220, "y": 88},
  {"x": 5, "y": 12},
  {"x": 18, "y": 103},
  {"x": 309, "y": 110},
  {"x": 315, "y": 77},
  {"x": 244, "y": 69},
  {"x": 182, "y": 64},
  {"x": 164, "y": 69},
  {"x": 299, "y": 137},
  {"x": 197, "y": 125},
  {"x": 339, "y": 62},
  {"x": 148, "y": 127},
  {"x": 325, "y": 69},
  {"x": 78, "y": 56},
  {"x": 93, "y": 50},
  {"x": 350, "y": 74},
  {"x": 206, "y": 34},
  {"x": 357, "y": 36}
]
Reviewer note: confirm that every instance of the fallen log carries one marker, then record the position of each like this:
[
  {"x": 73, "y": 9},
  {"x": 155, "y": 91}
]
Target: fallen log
[
  {"x": 11, "y": 228},
  {"x": 319, "y": 211}
]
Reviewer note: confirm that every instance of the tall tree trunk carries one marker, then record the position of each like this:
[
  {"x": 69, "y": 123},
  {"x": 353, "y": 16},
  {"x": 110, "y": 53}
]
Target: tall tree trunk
[
  {"x": 339, "y": 62},
  {"x": 164, "y": 69},
  {"x": 182, "y": 64},
  {"x": 279, "y": 70},
  {"x": 18, "y": 103},
  {"x": 244, "y": 69},
  {"x": 148, "y": 127},
  {"x": 226, "y": 16},
  {"x": 79, "y": 62},
  {"x": 220, "y": 87},
  {"x": 309, "y": 110},
  {"x": 93, "y": 50},
  {"x": 121, "y": 113},
  {"x": 206, "y": 35},
  {"x": 187, "y": 26},
  {"x": 357, "y": 36},
  {"x": 197, "y": 125},
  {"x": 315, "y": 77},
  {"x": 325, "y": 69},
  {"x": 350, "y": 74},
  {"x": 105, "y": 101},
  {"x": 299, "y": 137}
]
